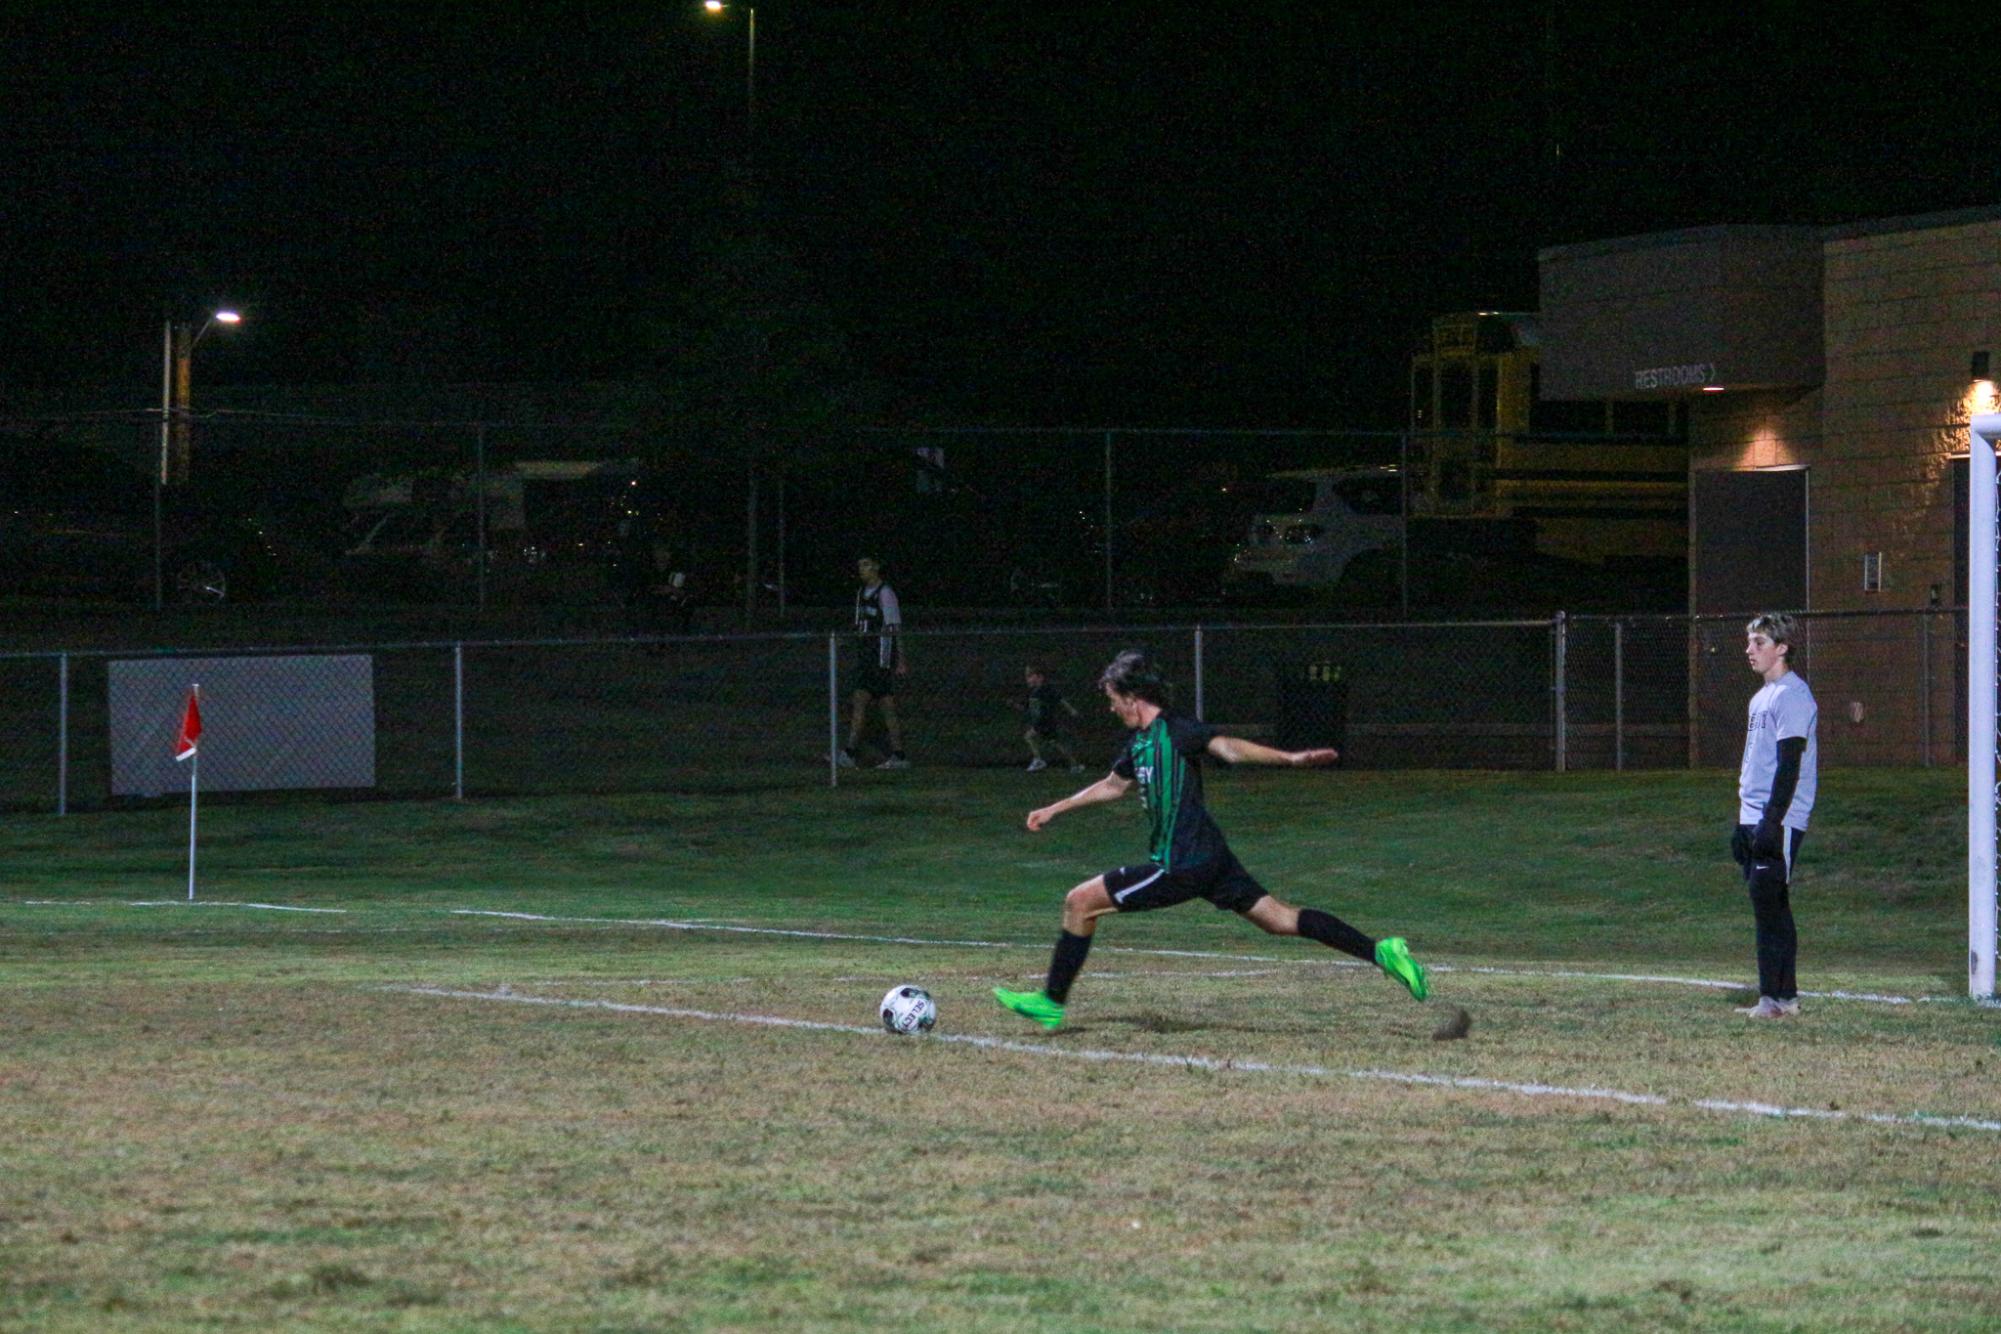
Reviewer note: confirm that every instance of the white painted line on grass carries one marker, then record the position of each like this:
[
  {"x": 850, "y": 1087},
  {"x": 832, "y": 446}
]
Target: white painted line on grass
[
  {"x": 1709, "y": 983},
  {"x": 1234, "y": 1066},
  {"x": 575, "y": 981},
  {"x": 1171, "y": 974},
  {"x": 1203, "y": 954},
  {"x": 1835, "y": 1114},
  {"x": 686, "y": 924},
  {"x": 223, "y": 903},
  {"x": 707, "y": 924},
  {"x": 1526, "y": 1090},
  {"x": 1598, "y": 977}
]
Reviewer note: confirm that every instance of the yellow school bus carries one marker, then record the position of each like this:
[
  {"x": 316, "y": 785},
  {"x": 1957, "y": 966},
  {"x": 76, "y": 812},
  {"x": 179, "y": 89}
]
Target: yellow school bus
[{"x": 1602, "y": 482}]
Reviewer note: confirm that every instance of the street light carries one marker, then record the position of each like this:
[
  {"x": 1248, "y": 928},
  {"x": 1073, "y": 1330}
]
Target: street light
[
  {"x": 176, "y": 361},
  {"x": 749, "y": 72},
  {"x": 176, "y": 357},
  {"x": 750, "y": 578}
]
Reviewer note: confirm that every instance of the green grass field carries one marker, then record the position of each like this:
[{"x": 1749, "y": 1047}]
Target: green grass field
[{"x": 661, "y": 1101}]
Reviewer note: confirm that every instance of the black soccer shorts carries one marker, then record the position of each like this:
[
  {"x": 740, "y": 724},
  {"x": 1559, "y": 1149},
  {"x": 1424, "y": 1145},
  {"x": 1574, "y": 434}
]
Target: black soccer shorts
[
  {"x": 1223, "y": 881},
  {"x": 875, "y": 680},
  {"x": 1781, "y": 870}
]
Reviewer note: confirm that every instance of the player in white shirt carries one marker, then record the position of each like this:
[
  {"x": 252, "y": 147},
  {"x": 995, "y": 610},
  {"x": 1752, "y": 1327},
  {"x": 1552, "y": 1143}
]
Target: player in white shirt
[{"x": 1775, "y": 794}]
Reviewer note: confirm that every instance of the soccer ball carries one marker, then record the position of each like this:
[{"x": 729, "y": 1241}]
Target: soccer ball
[{"x": 909, "y": 1009}]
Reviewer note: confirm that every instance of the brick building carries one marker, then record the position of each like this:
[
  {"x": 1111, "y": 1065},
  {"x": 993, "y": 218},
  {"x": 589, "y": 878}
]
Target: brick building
[{"x": 1828, "y": 375}]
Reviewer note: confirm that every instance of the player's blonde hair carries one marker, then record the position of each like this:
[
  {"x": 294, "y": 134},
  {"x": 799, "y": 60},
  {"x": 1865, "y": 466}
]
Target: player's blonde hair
[{"x": 1776, "y": 626}]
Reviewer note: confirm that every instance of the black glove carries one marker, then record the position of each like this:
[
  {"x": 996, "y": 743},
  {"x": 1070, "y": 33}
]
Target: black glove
[{"x": 1768, "y": 841}]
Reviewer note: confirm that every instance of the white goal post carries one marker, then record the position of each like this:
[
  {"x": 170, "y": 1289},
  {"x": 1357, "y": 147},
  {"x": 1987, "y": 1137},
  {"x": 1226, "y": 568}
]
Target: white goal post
[{"x": 1981, "y": 794}]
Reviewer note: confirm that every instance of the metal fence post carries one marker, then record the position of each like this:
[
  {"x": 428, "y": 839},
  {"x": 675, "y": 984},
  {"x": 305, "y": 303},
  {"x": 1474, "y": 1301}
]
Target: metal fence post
[
  {"x": 1562, "y": 629},
  {"x": 1925, "y": 694},
  {"x": 159, "y": 526},
  {"x": 1691, "y": 652},
  {"x": 833, "y": 711},
  {"x": 62, "y": 734},
  {"x": 459, "y": 721},
  {"x": 1199, "y": 714},
  {"x": 479, "y": 484},
  {"x": 1619, "y": 695},
  {"x": 1403, "y": 532}
]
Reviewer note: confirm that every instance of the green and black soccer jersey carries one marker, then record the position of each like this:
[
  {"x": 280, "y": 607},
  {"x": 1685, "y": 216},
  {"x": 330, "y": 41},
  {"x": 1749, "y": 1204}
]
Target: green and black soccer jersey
[{"x": 1165, "y": 759}]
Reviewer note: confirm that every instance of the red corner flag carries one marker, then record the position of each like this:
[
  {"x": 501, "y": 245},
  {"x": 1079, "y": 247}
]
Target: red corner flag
[{"x": 190, "y": 738}]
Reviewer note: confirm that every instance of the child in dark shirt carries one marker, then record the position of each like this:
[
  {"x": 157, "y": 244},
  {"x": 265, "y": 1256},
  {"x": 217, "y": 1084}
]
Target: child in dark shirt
[{"x": 1046, "y": 709}]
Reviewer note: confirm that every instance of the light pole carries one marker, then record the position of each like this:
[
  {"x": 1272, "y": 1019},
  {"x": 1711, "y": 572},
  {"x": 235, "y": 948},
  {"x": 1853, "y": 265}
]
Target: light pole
[
  {"x": 750, "y": 578},
  {"x": 176, "y": 361},
  {"x": 749, "y": 72}
]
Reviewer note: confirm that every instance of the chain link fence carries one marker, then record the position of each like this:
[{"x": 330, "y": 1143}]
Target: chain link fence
[
  {"x": 703, "y": 713},
  {"x": 596, "y": 496},
  {"x": 594, "y": 504}
]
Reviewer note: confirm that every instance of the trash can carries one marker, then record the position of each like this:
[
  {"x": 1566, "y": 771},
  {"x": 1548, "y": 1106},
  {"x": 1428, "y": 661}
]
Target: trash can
[{"x": 1312, "y": 706}]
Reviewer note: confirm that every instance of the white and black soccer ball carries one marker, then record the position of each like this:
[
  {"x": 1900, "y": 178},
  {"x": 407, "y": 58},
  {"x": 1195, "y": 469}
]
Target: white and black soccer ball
[{"x": 909, "y": 1009}]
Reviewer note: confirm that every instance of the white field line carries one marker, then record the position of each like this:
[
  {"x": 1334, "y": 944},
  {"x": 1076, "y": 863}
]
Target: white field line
[
  {"x": 224, "y": 903},
  {"x": 709, "y": 924},
  {"x": 1173, "y": 974},
  {"x": 684, "y": 924},
  {"x": 687, "y": 925},
  {"x": 1708, "y": 983},
  {"x": 575, "y": 980},
  {"x": 1234, "y": 1066}
]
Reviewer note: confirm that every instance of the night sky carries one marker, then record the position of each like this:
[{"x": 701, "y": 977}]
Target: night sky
[{"x": 1087, "y": 214}]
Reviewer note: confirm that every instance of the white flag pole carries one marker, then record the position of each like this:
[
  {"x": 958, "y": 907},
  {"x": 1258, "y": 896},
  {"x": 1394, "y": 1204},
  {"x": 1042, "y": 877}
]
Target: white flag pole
[
  {"x": 194, "y": 789},
  {"x": 194, "y": 801},
  {"x": 1982, "y": 433}
]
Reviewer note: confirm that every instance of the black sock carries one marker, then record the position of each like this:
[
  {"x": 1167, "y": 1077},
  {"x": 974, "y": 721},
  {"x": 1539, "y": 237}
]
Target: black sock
[
  {"x": 1331, "y": 931},
  {"x": 1064, "y": 965}
]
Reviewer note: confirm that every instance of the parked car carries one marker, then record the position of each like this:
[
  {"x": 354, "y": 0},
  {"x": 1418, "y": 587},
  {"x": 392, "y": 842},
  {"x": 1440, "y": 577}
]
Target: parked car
[
  {"x": 1313, "y": 528},
  {"x": 571, "y": 531},
  {"x": 78, "y": 520}
]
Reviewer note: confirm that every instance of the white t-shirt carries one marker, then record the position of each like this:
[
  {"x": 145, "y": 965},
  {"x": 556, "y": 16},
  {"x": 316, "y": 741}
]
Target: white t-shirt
[{"x": 1783, "y": 708}]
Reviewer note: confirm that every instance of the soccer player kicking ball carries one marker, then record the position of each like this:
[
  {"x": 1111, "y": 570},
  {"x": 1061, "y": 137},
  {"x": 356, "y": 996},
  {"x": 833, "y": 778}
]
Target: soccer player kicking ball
[{"x": 1189, "y": 858}]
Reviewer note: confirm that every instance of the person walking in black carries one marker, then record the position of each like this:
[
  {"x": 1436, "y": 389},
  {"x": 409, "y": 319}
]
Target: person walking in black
[
  {"x": 878, "y": 665},
  {"x": 1046, "y": 726}
]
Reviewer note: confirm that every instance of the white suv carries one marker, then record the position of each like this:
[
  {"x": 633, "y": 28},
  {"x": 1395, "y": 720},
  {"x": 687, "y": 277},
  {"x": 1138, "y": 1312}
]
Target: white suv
[{"x": 1314, "y": 524}]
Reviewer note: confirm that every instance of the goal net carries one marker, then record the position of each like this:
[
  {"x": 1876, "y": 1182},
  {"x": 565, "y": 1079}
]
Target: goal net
[{"x": 1982, "y": 796}]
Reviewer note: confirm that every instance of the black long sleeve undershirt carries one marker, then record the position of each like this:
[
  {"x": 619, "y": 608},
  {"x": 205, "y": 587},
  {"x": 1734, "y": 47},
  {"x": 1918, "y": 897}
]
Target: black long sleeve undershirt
[{"x": 1785, "y": 779}]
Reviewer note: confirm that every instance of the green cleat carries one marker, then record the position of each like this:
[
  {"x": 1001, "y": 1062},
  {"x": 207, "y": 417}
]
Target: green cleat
[
  {"x": 1393, "y": 957},
  {"x": 1031, "y": 1005}
]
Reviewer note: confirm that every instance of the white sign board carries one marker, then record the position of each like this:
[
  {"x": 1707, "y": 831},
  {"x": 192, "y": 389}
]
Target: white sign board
[{"x": 268, "y": 723}]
